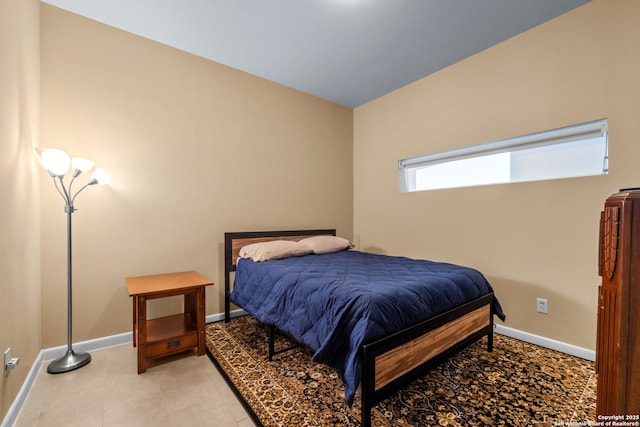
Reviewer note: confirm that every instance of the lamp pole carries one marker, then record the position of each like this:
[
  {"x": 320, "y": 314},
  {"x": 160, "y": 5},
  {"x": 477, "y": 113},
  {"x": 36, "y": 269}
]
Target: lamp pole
[
  {"x": 70, "y": 360},
  {"x": 57, "y": 163}
]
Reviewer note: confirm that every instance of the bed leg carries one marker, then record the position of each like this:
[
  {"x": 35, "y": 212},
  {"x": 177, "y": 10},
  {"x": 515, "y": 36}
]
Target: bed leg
[
  {"x": 366, "y": 415},
  {"x": 227, "y": 289},
  {"x": 272, "y": 342},
  {"x": 490, "y": 341},
  {"x": 367, "y": 385}
]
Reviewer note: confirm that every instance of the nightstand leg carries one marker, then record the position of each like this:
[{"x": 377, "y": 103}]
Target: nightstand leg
[
  {"x": 142, "y": 334},
  {"x": 135, "y": 321},
  {"x": 200, "y": 314},
  {"x": 190, "y": 304}
]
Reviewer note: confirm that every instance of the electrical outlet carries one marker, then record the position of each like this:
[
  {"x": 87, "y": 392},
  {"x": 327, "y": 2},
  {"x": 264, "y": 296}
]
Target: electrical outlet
[
  {"x": 542, "y": 305},
  {"x": 9, "y": 362},
  {"x": 7, "y": 359}
]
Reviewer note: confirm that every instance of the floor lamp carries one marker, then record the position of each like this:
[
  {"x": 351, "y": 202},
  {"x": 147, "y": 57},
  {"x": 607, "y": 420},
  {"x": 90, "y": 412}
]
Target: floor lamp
[{"x": 58, "y": 163}]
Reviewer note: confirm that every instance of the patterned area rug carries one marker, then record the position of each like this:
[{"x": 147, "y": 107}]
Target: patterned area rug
[{"x": 518, "y": 384}]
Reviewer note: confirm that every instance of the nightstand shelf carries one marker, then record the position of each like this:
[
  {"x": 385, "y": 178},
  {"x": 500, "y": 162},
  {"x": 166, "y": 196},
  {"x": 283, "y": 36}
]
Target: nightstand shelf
[{"x": 171, "y": 334}]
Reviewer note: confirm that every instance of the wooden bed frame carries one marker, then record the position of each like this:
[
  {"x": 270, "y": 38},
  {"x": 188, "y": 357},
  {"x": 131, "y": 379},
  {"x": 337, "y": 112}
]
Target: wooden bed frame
[{"x": 392, "y": 362}]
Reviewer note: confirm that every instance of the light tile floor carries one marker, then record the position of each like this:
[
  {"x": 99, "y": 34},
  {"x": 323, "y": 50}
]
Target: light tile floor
[{"x": 183, "y": 390}]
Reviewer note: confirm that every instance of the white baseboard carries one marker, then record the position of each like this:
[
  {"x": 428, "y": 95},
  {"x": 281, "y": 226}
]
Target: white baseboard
[
  {"x": 91, "y": 345},
  {"x": 83, "y": 346},
  {"x": 563, "y": 347},
  {"x": 15, "y": 408},
  {"x": 52, "y": 353},
  {"x": 110, "y": 341},
  {"x": 220, "y": 316}
]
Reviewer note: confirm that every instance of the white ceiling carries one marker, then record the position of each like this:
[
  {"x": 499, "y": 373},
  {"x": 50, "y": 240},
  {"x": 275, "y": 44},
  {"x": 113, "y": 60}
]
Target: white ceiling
[{"x": 347, "y": 51}]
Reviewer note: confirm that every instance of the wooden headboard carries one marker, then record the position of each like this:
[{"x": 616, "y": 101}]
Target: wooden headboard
[{"x": 233, "y": 241}]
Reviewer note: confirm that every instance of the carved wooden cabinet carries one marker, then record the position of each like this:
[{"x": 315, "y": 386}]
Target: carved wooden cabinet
[{"x": 618, "y": 339}]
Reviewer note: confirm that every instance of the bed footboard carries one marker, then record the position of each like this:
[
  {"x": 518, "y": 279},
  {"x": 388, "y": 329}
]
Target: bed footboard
[{"x": 392, "y": 362}]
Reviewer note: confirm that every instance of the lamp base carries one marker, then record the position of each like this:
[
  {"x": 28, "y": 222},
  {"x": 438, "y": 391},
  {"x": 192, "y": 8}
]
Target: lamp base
[{"x": 68, "y": 362}]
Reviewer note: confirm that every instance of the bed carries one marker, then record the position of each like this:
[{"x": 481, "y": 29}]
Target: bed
[{"x": 361, "y": 313}]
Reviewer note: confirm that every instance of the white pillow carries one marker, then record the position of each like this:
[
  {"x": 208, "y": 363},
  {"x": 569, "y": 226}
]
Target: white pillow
[
  {"x": 274, "y": 249},
  {"x": 326, "y": 244}
]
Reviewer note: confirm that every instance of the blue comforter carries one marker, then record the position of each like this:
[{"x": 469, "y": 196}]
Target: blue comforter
[{"x": 336, "y": 302}]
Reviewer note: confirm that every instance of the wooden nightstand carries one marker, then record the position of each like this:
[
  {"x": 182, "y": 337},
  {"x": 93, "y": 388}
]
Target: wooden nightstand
[{"x": 170, "y": 334}]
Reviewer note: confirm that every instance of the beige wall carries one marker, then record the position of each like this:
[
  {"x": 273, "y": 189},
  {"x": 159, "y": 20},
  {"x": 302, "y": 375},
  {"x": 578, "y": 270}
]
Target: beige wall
[
  {"x": 533, "y": 239},
  {"x": 194, "y": 149},
  {"x": 20, "y": 211}
]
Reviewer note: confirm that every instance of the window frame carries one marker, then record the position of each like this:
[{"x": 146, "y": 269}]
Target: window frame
[{"x": 582, "y": 131}]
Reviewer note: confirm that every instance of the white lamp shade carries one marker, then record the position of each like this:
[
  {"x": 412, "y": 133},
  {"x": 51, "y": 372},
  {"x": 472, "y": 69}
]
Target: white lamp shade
[
  {"x": 99, "y": 177},
  {"x": 57, "y": 162},
  {"x": 81, "y": 165}
]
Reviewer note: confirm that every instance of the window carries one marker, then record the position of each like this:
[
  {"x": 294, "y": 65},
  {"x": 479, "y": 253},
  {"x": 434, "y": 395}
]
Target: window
[{"x": 579, "y": 150}]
